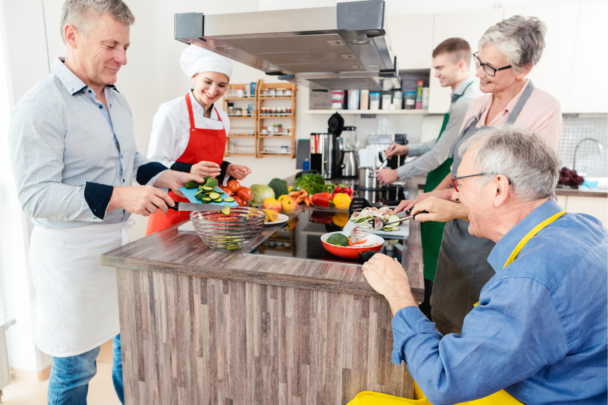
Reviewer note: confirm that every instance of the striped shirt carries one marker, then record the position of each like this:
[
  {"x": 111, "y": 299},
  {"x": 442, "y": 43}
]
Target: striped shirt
[{"x": 68, "y": 152}]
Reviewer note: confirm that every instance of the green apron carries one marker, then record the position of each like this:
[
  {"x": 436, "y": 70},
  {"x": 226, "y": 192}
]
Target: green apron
[{"x": 432, "y": 232}]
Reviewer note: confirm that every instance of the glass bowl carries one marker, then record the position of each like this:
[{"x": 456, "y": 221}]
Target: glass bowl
[{"x": 228, "y": 232}]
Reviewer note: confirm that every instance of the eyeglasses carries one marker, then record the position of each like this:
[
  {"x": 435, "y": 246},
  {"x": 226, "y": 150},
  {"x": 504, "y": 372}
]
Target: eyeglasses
[
  {"x": 473, "y": 175},
  {"x": 488, "y": 69}
]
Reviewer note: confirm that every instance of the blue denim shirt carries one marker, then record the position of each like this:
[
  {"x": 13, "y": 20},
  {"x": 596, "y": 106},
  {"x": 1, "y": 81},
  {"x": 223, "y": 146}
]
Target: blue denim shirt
[{"x": 539, "y": 330}]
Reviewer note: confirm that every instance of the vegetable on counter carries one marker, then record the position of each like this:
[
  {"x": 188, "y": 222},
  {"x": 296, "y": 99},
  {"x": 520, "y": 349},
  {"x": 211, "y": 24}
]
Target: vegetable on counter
[
  {"x": 341, "y": 201},
  {"x": 233, "y": 185},
  {"x": 322, "y": 200},
  {"x": 312, "y": 183},
  {"x": 260, "y": 193},
  {"x": 300, "y": 196},
  {"x": 271, "y": 204},
  {"x": 278, "y": 186},
  {"x": 245, "y": 194}
]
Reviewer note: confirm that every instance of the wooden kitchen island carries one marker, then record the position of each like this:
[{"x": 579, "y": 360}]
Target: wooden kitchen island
[{"x": 206, "y": 327}]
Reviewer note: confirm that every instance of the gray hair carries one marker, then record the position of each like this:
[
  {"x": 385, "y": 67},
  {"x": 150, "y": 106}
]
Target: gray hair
[
  {"x": 521, "y": 155},
  {"x": 78, "y": 13},
  {"x": 520, "y": 39}
]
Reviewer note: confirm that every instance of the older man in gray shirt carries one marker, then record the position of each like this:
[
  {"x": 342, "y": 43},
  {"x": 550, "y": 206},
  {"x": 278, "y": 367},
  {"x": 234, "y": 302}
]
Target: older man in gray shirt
[
  {"x": 451, "y": 60},
  {"x": 74, "y": 159}
]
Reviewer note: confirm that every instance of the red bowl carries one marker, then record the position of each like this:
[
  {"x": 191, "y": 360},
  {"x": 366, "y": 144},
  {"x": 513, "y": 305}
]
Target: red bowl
[{"x": 350, "y": 252}]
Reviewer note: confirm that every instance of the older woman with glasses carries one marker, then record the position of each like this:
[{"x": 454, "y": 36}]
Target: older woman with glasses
[{"x": 508, "y": 52}]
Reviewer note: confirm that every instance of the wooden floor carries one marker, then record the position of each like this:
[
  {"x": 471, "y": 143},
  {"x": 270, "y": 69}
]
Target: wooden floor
[{"x": 191, "y": 340}]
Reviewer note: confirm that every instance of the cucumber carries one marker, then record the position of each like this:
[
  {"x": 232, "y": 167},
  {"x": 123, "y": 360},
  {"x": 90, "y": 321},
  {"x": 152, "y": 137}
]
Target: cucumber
[
  {"x": 208, "y": 189},
  {"x": 225, "y": 210},
  {"x": 206, "y": 200},
  {"x": 218, "y": 200},
  {"x": 390, "y": 228},
  {"x": 393, "y": 218},
  {"x": 214, "y": 196},
  {"x": 228, "y": 199}
]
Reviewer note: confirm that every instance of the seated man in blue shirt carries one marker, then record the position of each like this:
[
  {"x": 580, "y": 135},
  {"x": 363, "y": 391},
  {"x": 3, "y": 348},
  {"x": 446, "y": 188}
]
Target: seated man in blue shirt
[{"x": 539, "y": 331}]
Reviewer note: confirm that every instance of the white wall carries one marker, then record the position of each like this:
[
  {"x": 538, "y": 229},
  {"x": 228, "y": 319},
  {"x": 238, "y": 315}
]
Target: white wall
[{"x": 23, "y": 63}]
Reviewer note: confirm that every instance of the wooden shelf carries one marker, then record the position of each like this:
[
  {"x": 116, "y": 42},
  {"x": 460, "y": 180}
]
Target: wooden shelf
[
  {"x": 379, "y": 112},
  {"x": 252, "y": 136},
  {"x": 241, "y": 117},
  {"x": 276, "y": 98},
  {"x": 239, "y": 98},
  {"x": 275, "y": 116},
  {"x": 239, "y": 154},
  {"x": 262, "y": 154},
  {"x": 276, "y": 136}
]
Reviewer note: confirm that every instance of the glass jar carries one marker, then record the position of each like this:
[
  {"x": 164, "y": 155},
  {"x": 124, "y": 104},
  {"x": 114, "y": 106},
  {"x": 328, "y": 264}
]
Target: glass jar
[
  {"x": 410, "y": 100},
  {"x": 287, "y": 92},
  {"x": 284, "y": 149},
  {"x": 264, "y": 131},
  {"x": 244, "y": 112},
  {"x": 240, "y": 92},
  {"x": 271, "y": 92},
  {"x": 277, "y": 128},
  {"x": 230, "y": 109},
  {"x": 238, "y": 111},
  {"x": 279, "y": 92},
  {"x": 288, "y": 110}
]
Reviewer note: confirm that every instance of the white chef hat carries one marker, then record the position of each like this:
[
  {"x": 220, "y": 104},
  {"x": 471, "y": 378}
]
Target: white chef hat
[{"x": 195, "y": 60}]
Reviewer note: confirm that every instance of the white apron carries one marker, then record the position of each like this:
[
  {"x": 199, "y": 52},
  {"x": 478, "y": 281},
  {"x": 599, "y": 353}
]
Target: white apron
[{"x": 74, "y": 299}]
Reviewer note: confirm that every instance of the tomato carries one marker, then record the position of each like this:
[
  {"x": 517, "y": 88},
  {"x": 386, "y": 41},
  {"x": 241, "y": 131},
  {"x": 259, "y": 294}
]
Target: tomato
[
  {"x": 234, "y": 186},
  {"x": 227, "y": 190},
  {"x": 244, "y": 193},
  {"x": 239, "y": 201}
]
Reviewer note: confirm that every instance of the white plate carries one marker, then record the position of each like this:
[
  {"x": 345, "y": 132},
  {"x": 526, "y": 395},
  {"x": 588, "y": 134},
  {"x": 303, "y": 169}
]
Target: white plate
[{"x": 282, "y": 218}]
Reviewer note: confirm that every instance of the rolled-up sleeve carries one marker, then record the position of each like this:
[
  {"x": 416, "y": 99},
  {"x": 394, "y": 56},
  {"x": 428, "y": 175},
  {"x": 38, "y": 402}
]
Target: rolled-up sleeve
[
  {"x": 36, "y": 143},
  {"x": 505, "y": 339}
]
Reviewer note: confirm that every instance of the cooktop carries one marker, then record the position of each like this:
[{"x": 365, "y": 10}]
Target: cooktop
[{"x": 300, "y": 239}]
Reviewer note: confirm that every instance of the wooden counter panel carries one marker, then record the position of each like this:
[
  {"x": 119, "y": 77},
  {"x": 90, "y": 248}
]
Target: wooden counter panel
[{"x": 195, "y": 340}]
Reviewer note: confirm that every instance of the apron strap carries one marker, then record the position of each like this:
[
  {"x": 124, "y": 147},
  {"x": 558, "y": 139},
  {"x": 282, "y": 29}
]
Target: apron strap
[
  {"x": 190, "y": 113},
  {"x": 520, "y": 103}
]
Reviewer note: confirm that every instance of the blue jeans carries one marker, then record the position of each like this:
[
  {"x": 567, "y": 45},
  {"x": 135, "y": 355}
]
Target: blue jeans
[{"x": 70, "y": 376}]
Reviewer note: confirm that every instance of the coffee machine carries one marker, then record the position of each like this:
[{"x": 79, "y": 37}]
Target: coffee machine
[
  {"x": 325, "y": 154},
  {"x": 348, "y": 144}
]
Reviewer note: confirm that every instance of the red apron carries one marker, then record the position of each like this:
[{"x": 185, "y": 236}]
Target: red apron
[{"x": 204, "y": 144}]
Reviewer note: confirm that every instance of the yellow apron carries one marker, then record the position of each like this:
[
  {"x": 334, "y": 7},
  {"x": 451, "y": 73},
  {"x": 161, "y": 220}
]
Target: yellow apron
[{"x": 501, "y": 397}]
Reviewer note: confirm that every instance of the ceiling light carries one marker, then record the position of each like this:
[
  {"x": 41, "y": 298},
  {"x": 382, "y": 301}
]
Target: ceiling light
[{"x": 360, "y": 41}]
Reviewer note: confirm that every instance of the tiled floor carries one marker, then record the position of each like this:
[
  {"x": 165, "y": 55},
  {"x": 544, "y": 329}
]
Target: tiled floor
[{"x": 101, "y": 389}]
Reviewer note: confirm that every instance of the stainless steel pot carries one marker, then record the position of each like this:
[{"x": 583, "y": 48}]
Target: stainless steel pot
[{"x": 368, "y": 180}]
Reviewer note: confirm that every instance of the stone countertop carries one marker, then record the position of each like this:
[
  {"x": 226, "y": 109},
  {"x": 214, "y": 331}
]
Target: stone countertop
[{"x": 170, "y": 251}]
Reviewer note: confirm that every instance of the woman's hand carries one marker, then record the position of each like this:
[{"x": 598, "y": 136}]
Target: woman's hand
[
  {"x": 205, "y": 169},
  {"x": 173, "y": 180},
  {"x": 439, "y": 210},
  {"x": 444, "y": 194},
  {"x": 239, "y": 172},
  {"x": 397, "y": 150}
]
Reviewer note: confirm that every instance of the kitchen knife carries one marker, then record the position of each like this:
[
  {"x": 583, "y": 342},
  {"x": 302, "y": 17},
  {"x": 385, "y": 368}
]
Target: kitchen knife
[{"x": 184, "y": 206}]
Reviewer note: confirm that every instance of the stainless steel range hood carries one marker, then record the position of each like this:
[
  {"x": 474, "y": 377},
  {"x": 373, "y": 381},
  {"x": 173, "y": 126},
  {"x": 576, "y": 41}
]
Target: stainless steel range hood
[{"x": 342, "y": 47}]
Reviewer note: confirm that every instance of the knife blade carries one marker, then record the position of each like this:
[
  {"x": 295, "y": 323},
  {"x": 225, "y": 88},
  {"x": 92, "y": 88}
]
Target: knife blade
[{"x": 184, "y": 206}]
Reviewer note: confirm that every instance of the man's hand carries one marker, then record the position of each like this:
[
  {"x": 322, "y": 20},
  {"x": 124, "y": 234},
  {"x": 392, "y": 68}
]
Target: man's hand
[
  {"x": 205, "y": 169},
  {"x": 239, "y": 172},
  {"x": 397, "y": 150},
  {"x": 142, "y": 200},
  {"x": 387, "y": 176},
  {"x": 174, "y": 180},
  {"x": 439, "y": 210},
  {"x": 387, "y": 277}
]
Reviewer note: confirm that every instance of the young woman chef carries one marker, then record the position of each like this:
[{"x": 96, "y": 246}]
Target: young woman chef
[{"x": 189, "y": 133}]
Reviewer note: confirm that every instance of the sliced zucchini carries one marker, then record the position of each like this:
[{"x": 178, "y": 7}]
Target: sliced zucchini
[
  {"x": 206, "y": 199},
  {"x": 208, "y": 189},
  {"x": 390, "y": 228},
  {"x": 228, "y": 199},
  {"x": 225, "y": 210},
  {"x": 214, "y": 196},
  {"x": 393, "y": 218},
  {"x": 218, "y": 200}
]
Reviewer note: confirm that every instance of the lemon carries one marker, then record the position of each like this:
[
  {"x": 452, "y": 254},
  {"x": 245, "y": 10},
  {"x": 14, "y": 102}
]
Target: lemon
[{"x": 271, "y": 216}]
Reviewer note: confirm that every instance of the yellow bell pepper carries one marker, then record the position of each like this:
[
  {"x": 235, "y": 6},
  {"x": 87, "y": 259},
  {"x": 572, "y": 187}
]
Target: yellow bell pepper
[{"x": 341, "y": 201}]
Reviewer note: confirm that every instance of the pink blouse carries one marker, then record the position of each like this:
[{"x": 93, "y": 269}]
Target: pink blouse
[{"x": 541, "y": 113}]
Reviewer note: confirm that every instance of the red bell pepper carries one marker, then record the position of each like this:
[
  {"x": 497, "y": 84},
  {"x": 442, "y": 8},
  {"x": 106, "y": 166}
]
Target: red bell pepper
[
  {"x": 321, "y": 217},
  {"x": 321, "y": 199}
]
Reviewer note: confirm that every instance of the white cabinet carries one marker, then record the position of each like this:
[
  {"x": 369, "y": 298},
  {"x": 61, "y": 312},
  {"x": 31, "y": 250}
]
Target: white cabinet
[
  {"x": 469, "y": 25},
  {"x": 554, "y": 71},
  {"x": 587, "y": 88},
  {"x": 412, "y": 40}
]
